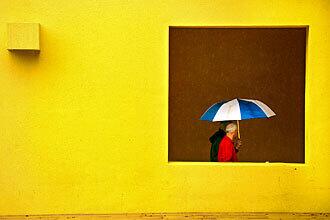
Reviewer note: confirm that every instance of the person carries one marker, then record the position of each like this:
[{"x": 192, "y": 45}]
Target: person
[
  {"x": 215, "y": 140},
  {"x": 227, "y": 151}
]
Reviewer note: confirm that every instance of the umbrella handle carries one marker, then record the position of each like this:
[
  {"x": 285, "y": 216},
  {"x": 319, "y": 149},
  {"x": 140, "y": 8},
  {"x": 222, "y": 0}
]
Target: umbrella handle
[{"x": 239, "y": 135}]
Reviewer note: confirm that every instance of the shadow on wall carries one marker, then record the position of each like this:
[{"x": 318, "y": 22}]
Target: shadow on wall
[{"x": 23, "y": 61}]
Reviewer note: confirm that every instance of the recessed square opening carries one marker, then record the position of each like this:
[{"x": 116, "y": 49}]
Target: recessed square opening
[{"x": 210, "y": 64}]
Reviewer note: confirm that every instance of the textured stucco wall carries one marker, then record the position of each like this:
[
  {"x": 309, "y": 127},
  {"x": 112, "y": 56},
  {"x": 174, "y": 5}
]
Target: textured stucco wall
[{"x": 83, "y": 125}]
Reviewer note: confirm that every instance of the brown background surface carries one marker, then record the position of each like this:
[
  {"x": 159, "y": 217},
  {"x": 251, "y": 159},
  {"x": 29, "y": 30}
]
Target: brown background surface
[{"x": 207, "y": 65}]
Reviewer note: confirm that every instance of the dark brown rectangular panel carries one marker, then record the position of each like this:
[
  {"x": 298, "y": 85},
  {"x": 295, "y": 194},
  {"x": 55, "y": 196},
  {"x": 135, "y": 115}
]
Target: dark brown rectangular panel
[{"x": 207, "y": 65}]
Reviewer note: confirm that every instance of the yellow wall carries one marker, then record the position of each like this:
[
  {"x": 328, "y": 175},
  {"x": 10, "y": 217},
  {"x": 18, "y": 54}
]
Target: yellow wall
[{"x": 83, "y": 125}]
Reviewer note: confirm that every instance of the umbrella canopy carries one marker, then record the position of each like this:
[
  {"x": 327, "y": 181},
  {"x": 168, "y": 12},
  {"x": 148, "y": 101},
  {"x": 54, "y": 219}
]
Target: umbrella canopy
[{"x": 237, "y": 109}]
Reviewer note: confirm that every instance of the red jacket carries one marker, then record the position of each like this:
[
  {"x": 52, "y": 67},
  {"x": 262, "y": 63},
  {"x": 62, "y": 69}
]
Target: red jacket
[{"x": 227, "y": 151}]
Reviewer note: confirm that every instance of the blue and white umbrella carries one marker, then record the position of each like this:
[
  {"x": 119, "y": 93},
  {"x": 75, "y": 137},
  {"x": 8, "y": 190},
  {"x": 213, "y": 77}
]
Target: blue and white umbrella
[{"x": 237, "y": 109}]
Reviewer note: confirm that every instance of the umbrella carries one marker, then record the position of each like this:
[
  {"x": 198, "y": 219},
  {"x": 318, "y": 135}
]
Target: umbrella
[{"x": 237, "y": 109}]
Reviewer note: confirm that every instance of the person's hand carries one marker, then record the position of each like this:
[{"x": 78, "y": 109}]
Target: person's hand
[{"x": 238, "y": 144}]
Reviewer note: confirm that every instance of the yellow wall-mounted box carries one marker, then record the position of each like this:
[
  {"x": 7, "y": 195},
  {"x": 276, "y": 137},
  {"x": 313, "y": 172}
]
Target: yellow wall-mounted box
[{"x": 23, "y": 36}]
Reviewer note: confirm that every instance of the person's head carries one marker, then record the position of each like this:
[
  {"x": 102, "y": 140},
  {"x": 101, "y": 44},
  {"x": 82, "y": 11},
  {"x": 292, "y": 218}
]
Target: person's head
[
  {"x": 231, "y": 130},
  {"x": 223, "y": 124}
]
